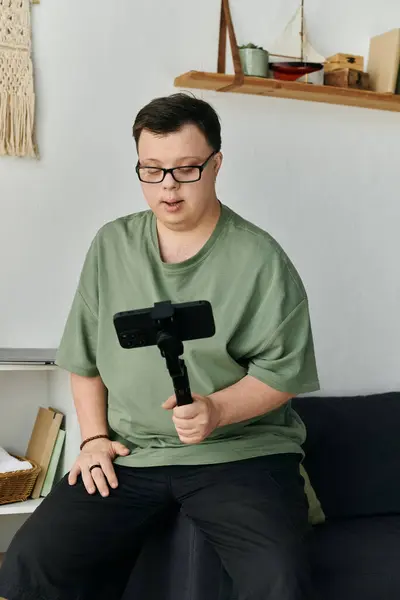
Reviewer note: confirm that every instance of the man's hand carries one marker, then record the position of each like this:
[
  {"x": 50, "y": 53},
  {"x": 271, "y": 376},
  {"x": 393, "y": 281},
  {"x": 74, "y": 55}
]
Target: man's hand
[
  {"x": 194, "y": 422},
  {"x": 102, "y": 454}
]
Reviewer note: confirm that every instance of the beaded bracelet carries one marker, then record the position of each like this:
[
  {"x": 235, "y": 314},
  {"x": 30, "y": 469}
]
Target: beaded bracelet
[{"x": 95, "y": 437}]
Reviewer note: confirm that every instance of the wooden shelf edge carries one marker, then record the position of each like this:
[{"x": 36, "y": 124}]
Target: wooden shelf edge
[{"x": 290, "y": 89}]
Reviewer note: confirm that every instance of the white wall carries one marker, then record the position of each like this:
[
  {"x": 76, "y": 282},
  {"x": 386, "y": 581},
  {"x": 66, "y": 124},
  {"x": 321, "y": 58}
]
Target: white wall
[{"x": 322, "y": 179}]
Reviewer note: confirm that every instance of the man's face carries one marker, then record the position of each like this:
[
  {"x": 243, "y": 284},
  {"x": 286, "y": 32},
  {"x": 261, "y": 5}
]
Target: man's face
[{"x": 179, "y": 206}]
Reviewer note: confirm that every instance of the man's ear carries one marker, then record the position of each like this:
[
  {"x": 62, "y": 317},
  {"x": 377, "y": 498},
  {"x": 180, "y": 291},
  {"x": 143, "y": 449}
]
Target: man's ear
[{"x": 218, "y": 162}]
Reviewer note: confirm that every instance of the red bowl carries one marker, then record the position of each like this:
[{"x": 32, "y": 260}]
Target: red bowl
[{"x": 290, "y": 71}]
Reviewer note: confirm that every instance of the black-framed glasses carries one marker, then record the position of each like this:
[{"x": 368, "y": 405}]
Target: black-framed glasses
[{"x": 184, "y": 174}]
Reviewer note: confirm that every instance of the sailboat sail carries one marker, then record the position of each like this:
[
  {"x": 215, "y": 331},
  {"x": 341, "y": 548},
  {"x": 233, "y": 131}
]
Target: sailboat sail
[{"x": 289, "y": 43}]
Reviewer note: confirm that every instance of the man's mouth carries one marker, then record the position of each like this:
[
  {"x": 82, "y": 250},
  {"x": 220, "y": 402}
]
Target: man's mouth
[{"x": 172, "y": 202}]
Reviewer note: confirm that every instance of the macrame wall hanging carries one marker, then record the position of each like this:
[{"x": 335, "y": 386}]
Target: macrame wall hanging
[{"x": 17, "y": 95}]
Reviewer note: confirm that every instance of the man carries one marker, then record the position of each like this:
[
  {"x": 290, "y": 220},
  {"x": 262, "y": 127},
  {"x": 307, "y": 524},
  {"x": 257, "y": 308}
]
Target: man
[{"x": 230, "y": 459}]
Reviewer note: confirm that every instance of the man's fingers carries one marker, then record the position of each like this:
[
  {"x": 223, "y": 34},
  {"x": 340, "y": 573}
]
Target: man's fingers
[
  {"x": 187, "y": 411},
  {"x": 98, "y": 478},
  {"x": 195, "y": 439},
  {"x": 184, "y": 424},
  {"x": 120, "y": 449},
  {"x": 100, "y": 481},
  {"x": 88, "y": 481},
  {"x": 188, "y": 433},
  {"x": 109, "y": 473},
  {"x": 73, "y": 475},
  {"x": 199, "y": 422},
  {"x": 170, "y": 403}
]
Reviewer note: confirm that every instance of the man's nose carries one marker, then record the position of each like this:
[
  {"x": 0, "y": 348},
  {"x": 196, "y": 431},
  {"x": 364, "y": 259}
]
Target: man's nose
[{"x": 169, "y": 182}]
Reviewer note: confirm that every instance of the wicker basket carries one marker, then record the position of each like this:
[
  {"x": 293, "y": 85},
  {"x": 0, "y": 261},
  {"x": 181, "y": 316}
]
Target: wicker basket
[{"x": 17, "y": 486}]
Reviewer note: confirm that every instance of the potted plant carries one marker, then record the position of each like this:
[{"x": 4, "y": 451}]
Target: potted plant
[{"x": 255, "y": 60}]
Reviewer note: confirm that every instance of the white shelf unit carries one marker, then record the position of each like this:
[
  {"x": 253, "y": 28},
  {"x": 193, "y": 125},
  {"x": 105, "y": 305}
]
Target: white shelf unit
[
  {"x": 20, "y": 508},
  {"x": 23, "y": 389},
  {"x": 9, "y": 367}
]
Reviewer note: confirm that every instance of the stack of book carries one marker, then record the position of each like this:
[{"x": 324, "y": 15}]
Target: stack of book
[
  {"x": 45, "y": 446},
  {"x": 384, "y": 62}
]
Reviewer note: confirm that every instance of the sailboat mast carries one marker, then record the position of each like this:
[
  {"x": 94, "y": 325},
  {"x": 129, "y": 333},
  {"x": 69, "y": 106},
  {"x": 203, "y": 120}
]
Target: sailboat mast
[{"x": 302, "y": 31}]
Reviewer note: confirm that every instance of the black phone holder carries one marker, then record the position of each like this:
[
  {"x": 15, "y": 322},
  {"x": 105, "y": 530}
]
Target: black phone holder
[{"x": 171, "y": 348}]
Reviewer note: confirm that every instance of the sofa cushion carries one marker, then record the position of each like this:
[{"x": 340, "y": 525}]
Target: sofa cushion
[
  {"x": 353, "y": 453},
  {"x": 315, "y": 513},
  {"x": 357, "y": 559}
]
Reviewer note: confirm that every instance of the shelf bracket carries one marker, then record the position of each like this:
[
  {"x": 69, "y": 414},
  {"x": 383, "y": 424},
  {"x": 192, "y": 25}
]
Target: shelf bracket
[{"x": 226, "y": 24}]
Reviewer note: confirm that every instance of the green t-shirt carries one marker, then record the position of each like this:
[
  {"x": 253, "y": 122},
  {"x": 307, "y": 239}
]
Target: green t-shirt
[{"x": 262, "y": 329}]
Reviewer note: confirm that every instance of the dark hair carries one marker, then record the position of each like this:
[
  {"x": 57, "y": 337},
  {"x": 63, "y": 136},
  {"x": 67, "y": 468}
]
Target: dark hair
[{"x": 170, "y": 113}]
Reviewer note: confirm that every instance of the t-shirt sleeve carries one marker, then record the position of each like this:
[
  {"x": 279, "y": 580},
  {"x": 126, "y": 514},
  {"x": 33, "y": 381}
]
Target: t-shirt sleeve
[
  {"x": 287, "y": 362},
  {"x": 276, "y": 340},
  {"x": 77, "y": 351}
]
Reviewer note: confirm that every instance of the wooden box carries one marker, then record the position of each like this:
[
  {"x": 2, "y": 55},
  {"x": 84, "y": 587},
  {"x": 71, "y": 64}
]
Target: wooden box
[
  {"x": 347, "y": 78},
  {"x": 344, "y": 61}
]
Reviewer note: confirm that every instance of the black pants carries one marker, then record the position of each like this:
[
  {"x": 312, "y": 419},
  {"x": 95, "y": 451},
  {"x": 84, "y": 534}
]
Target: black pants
[{"x": 253, "y": 512}]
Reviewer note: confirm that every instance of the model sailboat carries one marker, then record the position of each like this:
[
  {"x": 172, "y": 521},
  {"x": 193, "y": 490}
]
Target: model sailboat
[{"x": 295, "y": 55}]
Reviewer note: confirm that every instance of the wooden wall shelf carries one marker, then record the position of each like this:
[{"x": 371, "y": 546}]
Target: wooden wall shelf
[{"x": 289, "y": 89}]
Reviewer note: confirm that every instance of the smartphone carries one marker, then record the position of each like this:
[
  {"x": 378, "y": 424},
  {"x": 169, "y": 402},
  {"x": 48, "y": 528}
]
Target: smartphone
[{"x": 191, "y": 321}]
